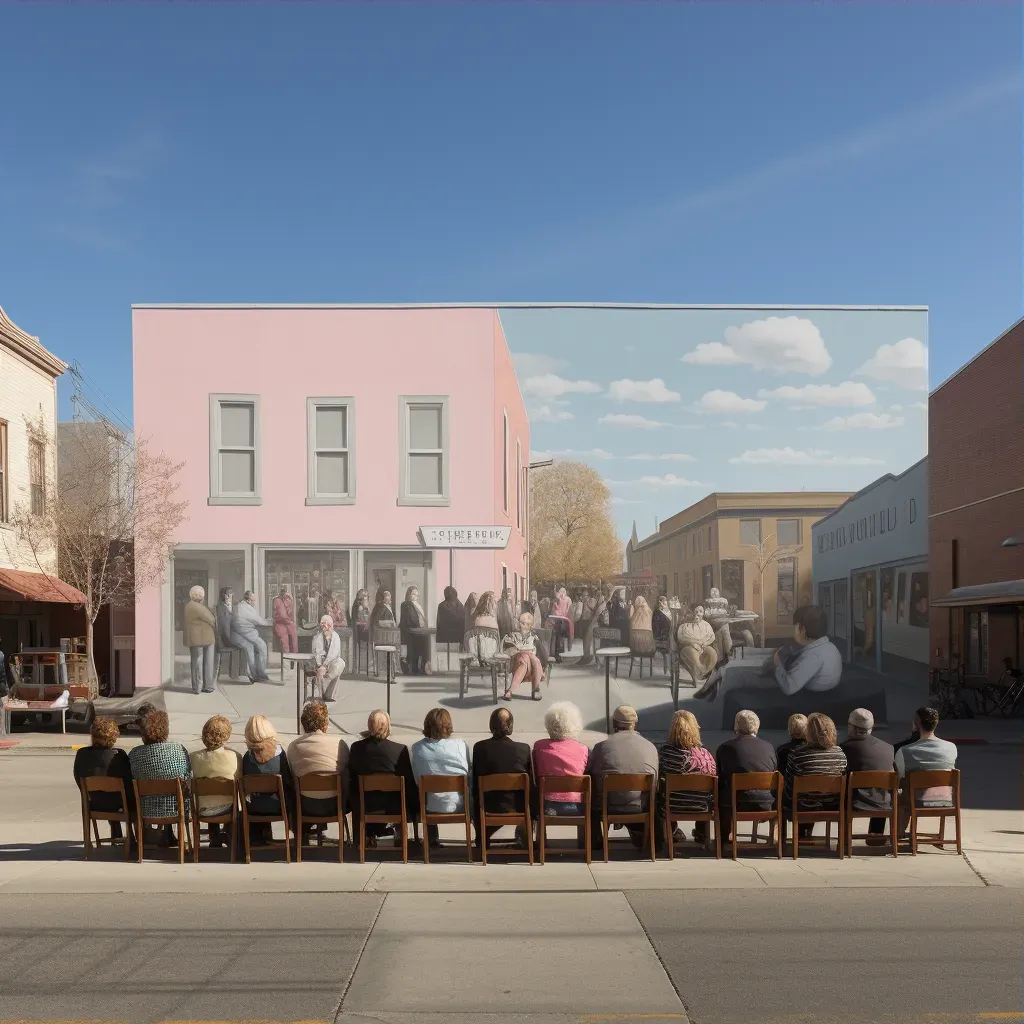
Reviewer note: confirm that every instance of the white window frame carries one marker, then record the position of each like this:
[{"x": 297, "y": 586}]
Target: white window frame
[
  {"x": 348, "y": 403},
  {"x": 217, "y": 495},
  {"x": 405, "y": 497},
  {"x": 504, "y": 459},
  {"x": 519, "y": 485}
]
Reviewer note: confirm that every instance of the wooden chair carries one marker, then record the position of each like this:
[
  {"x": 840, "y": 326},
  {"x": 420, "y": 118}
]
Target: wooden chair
[
  {"x": 264, "y": 785},
  {"x": 505, "y": 783},
  {"x": 227, "y": 788},
  {"x": 319, "y": 782},
  {"x": 607, "y": 636},
  {"x": 628, "y": 783},
  {"x": 445, "y": 784},
  {"x": 635, "y": 655},
  {"x": 564, "y": 784},
  {"x": 830, "y": 785},
  {"x": 160, "y": 787},
  {"x": 481, "y": 646},
  {"x": 872, "y": 780},
  {"x": 916, "y": 781},
  {"x": 382, "y": 784},
  {"x": 691, "y": 783},
  {"x": 545, "y": 638},
  {"x": 105, "y": 784},
  {"x": 743, "y": 782}
]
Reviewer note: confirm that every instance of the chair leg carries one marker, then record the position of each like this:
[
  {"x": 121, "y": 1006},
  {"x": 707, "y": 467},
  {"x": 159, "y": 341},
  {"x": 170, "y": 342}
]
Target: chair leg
[
  {"x": 796, "y": 836},
  {"x": 196, "y": 826},
  {"x": 541, "y": 835},
  {"x": 87, "y": 838},
  {"x": 234, "y": 836},
  {"x": 779, "y": 835},
  {"x": 405, "y": 841},
  {"x": 140, "y": 835},
  {"x": 604, "y": 838},
  {"x": 651, "y": 838},
  {"x": 96, "y": 832},
  {"x": 362, "y": 840},
  {"x": 669, "y": 844},
  {"x": 245, "y": 835},
  {"x": 631, "y": 667},
  {"x": 287, "y": 844},
  {"x": 529, "y": 837},
  {"x": 469, "y": 839}
]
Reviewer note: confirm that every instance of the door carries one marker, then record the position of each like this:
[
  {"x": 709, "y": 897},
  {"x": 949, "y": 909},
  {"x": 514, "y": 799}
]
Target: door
[{"x": 382, "y": 577}]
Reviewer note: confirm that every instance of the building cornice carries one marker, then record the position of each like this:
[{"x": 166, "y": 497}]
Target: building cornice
[{"x": 22, "y": 344}]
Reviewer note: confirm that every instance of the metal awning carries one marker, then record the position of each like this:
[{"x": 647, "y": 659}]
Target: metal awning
[
  {"x": 37, "y": 586},
  {"x": 1011, "y": 592}
]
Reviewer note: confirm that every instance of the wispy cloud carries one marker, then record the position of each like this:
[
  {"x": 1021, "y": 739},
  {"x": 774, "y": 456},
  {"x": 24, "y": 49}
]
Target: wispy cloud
[
  {"x": 627, "y": 390},
  {"x": 631, "y": 421},
  {"x": 548, "y": 414},
  {"x": 668, "y": 480},
  {"x": 551, "y": 385},
  {"x": 667, "y": 457},
  {"x": 790, "y": 457}
]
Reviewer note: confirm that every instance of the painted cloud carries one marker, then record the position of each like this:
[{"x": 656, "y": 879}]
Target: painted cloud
[
  {"x": 780, "y": 344},
  {"x": 904, "y": 364}
]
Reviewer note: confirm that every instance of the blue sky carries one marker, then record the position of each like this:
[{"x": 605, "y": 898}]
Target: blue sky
[{"x": 717, "y": 153}]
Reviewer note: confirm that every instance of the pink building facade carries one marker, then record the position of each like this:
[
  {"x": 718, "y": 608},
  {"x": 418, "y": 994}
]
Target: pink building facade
[{"x": 320, "y": 446}]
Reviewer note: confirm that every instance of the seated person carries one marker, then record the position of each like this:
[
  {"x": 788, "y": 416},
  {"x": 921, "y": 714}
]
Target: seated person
[
  {"x": 928, "y": 753},
  {"x": 316, "y": 751},
  {"x": 522, "y": 646},
  {"x": 377, "y": 754},
  {"x": 684, "y": 754},
  {"x": 703, "y": 652},
  {"x": 561, "y": 753},
  {"x": 417, "y": 645},
  {"x": 744, "y": 752},
  {"x": 625, "y": 752},
  {"x": 440, "y": 753},
  {"x": 819, "y": 755},
  {"x": 215, "y": 761},
  {"x": 158, "y": 758},
  {"x": 266, "y": 756},
  {"x": 103, "y": 758},
  {"x": 500, "y": 755},
  {"x": 797, "y": 728},
  {"x": 328, "y": 663},
  {"x": 641, "y": 628},
  {"x": 867, "y": 753}
]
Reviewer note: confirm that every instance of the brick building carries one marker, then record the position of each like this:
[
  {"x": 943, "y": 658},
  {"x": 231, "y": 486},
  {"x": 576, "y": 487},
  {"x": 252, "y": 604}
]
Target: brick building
[{"x": 976, "y": 509}]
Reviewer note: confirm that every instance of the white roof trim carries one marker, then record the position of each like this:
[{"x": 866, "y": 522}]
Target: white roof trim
[{"x": 513, "y": 305}]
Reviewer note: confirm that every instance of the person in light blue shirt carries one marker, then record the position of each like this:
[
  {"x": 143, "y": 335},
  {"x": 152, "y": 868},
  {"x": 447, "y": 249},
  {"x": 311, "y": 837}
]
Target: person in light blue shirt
[{"x": 440, "y": 753}]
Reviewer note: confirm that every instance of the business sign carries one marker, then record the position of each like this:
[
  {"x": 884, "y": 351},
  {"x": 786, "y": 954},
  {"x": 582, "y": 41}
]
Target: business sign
[{"x": 493, "y": 537}]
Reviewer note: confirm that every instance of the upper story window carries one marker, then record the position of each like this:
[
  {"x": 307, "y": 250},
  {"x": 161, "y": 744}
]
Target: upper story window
[
  {"x": 424, "y": 453},
  {"x": 519, "y": 486},
  {"x": 710, "y": 544},
  {"x": 236, "y": 475},
  {"x": 4, "y": 513},
  {"x": 750, "y": 532},
  {"x": 330, "y": 451},
  {"x": 504, "y": 459},
  {"x": 788, "y": 531},
  {"x": 37, "y": 476}
]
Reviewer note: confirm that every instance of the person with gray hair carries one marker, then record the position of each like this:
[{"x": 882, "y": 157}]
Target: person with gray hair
[
  {"x": 561, "y": 754},
  {"x": 867, "y": 753},
  {"x": 745, "y": 752},
  {"x": 328, "y": 663},
  {"x": 200, "y": 636},
  {"x": 245, "y": 620}
]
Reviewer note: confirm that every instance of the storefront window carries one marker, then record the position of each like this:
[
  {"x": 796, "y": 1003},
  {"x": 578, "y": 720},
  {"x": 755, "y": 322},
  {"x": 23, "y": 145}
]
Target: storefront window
[
  {"x": 317, "y": 582},
  {"x": 919, "y": 599},
  {"x": 888, "y": 596},
  {"x": 839, "y": 608},
  {"x": 977, "y": 643},
  {"x": 825, "y": 603},
  {"x": 865, "y": 618},
  {"x": 732, "y": 581},
  {"x": 786, "y": 603}
]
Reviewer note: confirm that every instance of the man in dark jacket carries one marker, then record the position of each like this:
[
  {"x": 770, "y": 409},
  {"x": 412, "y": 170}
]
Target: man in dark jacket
[
  {"x": 375, "y": 754},
  {"x": 867, "y": 753},
  {"x": 501, "y": 755},
  {"x": 224, "y": 644},
  {"x": 745, "y": 752}
]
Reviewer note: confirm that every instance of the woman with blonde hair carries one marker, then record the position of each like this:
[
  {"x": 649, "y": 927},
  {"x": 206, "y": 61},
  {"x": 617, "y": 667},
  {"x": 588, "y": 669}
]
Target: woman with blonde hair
[
  {"x": 215, "y": 761},
  {"x": 797, "y": 728},
  {"x": 683, "y": 754},
  {"x": 485, "y": 615},
  {"x": 266, "y": 756},
  {"x": 818, "y": 755},
  {"x": 641, "y": 628},
  {"x": 522, "y": 645}
]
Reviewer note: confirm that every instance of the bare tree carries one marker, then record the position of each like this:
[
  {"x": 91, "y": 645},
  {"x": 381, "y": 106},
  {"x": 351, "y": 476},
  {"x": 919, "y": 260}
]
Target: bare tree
[
  {"x": 765, "y": 553},
  {"x": 572, "y": 532},
  {"x": 111, "y": 519}
]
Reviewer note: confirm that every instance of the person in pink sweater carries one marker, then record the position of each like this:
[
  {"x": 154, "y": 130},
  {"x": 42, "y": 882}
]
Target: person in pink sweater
[
  {"x": 284, "y": 622},
  {"x": 561, "y": 754}
]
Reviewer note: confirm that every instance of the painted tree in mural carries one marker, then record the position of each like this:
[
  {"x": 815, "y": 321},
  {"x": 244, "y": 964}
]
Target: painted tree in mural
[
  {"x": 763, "y": 555},
  {"x": 111, "y": 516},
  {"x": 572, "y": 532}
]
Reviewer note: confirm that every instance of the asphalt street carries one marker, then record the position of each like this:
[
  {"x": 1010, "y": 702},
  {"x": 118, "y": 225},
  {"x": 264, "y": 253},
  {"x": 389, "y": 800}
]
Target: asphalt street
[{"x": 711, "y": 957}]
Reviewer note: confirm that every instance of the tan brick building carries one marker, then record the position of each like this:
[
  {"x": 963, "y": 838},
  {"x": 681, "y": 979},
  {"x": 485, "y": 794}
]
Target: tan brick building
[
  {"x": 713, "y": 543},
  {"x": 976, "y": 503}
]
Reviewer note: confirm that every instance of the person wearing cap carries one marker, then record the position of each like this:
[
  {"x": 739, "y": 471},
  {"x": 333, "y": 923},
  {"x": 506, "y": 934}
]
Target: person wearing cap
[
  {"x": 867, "y": 753},
  {"x": 625, "y": 752}
]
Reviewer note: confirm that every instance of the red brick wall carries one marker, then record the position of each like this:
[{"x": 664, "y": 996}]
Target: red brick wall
[{"x": 976, "y": 451}]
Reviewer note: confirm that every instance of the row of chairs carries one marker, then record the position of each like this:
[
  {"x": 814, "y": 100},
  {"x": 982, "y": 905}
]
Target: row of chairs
[{"x": 237, "y": 792}]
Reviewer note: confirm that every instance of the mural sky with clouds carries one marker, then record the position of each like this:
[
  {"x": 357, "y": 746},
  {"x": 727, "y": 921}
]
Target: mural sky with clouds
[{"x": 672, "y": 404}]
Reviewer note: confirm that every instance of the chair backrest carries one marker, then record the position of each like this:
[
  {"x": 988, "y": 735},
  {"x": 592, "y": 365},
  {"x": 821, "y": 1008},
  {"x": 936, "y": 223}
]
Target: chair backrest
[
  {"x": 819, "y": 784},
  {"x": 627, "y": 782},
  {"x": 742, "y": 781},
  {"x": 260, "y": 784},
  {"x": 935, "y": 778},
  {"x": 564, "y": 784},
  {"x": 545, "y": 635},
  {"x": 482, "y": 642},
  {"x": 158, "y": 787},
  {"x": 387, "y": 633},
  {"x": 213, "y": 787},
  {"x": 504, "y": 782},
  {"x": 872, "y": 780},
  {"x": 690, "y": 782},
  {"x": 381, "y": 784},
  {"x": 103, "y": 784},
  {"x": 444, "y": 784},
  {"x": 317, "y": 782}
]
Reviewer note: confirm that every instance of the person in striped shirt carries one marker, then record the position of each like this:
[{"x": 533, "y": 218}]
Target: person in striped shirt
[
  {"x": 819, "y": 755},
  {"x": 684, "y": 754}
]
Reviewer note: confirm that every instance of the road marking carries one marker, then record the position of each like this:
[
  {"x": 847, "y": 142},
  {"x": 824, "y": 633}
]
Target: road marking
[{"x": 594, "y": 1017}]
